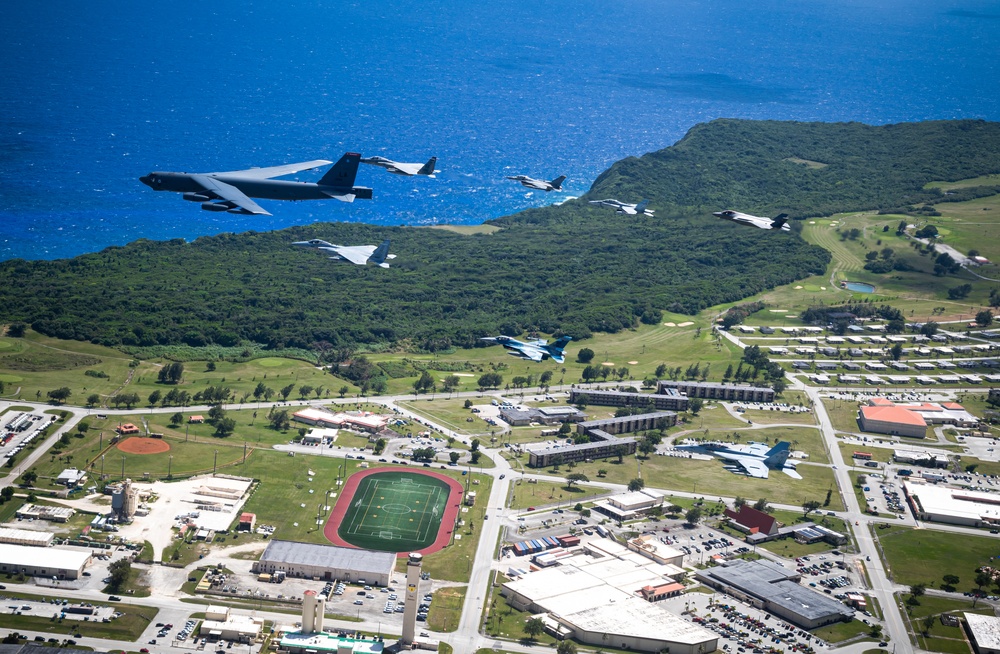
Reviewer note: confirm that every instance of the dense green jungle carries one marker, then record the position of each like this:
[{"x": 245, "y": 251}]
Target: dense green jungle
[{"x": 570, "y": 269}]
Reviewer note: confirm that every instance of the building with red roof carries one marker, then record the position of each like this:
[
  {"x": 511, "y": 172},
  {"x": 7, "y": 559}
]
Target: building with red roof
[
  {"x": 893, "y": 420},
  {"x": 247, "y": 522},
  {"x": 751, "y": 521}
]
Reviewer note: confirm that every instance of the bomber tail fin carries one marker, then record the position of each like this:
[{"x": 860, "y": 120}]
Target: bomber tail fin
[
  {"x": 557, "y": 182},
  {"x": 779, "y": 220},
  {"x": 380, "y": 254},
  {"x": 428, "y": 168},
  {"x": 343, "y": 173}
]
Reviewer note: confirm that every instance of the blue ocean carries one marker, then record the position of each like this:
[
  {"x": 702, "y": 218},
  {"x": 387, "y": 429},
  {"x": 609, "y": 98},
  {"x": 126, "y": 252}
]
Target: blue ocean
[{"x": 96, "y": 94}]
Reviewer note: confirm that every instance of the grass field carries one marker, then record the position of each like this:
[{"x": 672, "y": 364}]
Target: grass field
[
  {"x": 939, "y": 638},
  {"x": 917, "y": 556},
  {"x": 545, "y": 493},
  {"x": 395, "y": 511},
  {"x": 446, "y": 609}
]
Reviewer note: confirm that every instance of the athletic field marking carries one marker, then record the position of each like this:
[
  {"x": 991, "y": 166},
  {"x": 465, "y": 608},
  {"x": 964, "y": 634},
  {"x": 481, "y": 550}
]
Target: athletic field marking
[{"x": 426, "y": 502}]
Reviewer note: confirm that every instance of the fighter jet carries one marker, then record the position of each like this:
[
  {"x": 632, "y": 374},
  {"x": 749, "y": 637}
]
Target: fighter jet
[
  {"x": 625, "y": 207},
  {"x": 356, "y": 254},
  {"x": 539, "y": 184},
  {"x": 752, "y": 460},
  {"x": 231, "y": 191},
  {"x": 408, "y": 169},
  {"x": 778, "y": 222},
  {"x": 532, "y": 350}
]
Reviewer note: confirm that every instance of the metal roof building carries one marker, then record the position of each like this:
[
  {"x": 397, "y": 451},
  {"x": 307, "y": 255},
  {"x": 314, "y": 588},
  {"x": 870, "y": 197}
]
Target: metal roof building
[
  {"x": 54, "y": 562},
  {"x": 984, "y": 631},
  {"x": 771, "y": 587},
  {"x": 327, "y": 562}
]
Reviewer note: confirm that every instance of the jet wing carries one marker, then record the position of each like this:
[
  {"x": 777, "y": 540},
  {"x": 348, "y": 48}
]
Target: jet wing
[
  {"x": 355, "y": 254},
  {"x": 229, "y": 193},
  {"x": 629, "y": 210},
  {"x": 277, "y": 171},
  {"x": 791, "y": 472},
  {"x": 406, "y": 168},
  {"x": 753, "y": 467}
]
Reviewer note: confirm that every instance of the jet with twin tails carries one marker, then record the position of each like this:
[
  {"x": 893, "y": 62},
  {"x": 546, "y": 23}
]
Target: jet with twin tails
[
  {"x": 407, "y": 169},
  {"x": 625, "y": 207},
  {"x": 539, "y": 184},
  {"x": 752, "y": 460},
  {"x": 231, "y": 191},
  {"x": 538, "y": 350},
  {"x": 778, "y": 222},
  {"x": 356, "y": 254}
]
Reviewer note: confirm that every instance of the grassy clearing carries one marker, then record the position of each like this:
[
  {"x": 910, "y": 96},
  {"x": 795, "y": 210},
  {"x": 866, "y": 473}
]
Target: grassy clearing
[
  {"x": 545, "y": 493},
  {"x": 446, "y": 609},
  {"x": 939, "y": 638},
  {"x": 923, "y": 556},
  {"x": 841, "y": 631}
]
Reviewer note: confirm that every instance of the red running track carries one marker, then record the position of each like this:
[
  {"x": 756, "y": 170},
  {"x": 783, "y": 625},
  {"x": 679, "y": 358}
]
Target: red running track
[{"x": 445, "y": 529}]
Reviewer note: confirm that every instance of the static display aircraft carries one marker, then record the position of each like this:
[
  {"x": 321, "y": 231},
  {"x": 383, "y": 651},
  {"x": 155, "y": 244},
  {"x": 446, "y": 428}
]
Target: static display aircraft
[
  {"x": 752, "y": 460},
  {"x": 356, "y": 254},
  {"x": 539, "y": 184},
  {"x": 532, "y": 350},
  {"x": 408, "y": 169},
  {"x": 625, "y": 207},
  {"x": 231, "y": 191},
  {"x": 778, "y": 222}
]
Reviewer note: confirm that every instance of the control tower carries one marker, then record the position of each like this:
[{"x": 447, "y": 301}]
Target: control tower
[{"x": 412, "y": 597}]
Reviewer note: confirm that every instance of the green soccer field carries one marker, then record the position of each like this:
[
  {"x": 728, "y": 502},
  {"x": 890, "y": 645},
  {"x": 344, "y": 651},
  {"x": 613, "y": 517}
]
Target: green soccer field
[{"x": 395, "y": 511}]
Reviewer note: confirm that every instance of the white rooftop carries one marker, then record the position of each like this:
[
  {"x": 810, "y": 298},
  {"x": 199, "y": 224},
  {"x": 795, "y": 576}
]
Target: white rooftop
[
  {"x": 55, "y": 557},
  {"x": 985, "y": 629}
]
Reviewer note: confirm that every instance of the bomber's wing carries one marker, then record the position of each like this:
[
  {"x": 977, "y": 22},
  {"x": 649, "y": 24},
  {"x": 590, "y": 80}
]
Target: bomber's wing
[
  {"x": 230, "y": 194},
  {"x": 791, "y": 472},
  {"x": 277, "y": 171},
  {"x": 357, "y": 254},
  {"x": 754, "y": 467}
]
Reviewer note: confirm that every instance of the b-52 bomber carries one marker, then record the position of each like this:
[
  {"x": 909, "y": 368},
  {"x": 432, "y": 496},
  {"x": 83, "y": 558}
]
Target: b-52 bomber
[
  {"x": 407, "y": 169},
  {"x": 625, "y": 207},
  {"x": 539, "y": 184},
  {"x": 356, "y": 254},
  {"x": 537, "y": 350},
  {"x": 778, "y": 222},
  {"x": 231, "y": 191}
]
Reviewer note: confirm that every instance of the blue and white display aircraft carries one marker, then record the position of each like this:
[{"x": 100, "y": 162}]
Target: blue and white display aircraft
[
  {"x": 537, "y": 350},
  {"x": 752, "y": 460}
]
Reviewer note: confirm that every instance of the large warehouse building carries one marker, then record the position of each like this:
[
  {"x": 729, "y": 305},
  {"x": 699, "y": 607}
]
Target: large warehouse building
[
  {"x": 956, "y": 506},
  {"x": 328, "y": 562},
  {"x": 768, "y": 586},
  {"x": 53, "y": 562},
  {"x": 984, "y": 632}
]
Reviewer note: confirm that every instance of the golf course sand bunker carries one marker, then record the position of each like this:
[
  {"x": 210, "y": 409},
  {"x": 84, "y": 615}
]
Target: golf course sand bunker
[{"x": 395, "y": 511}]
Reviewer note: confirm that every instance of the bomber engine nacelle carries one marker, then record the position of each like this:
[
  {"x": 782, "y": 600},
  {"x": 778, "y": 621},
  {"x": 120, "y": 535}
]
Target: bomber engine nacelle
[
  {"x": 196, "y": 197},
  {"x": 212, "y": 206}
]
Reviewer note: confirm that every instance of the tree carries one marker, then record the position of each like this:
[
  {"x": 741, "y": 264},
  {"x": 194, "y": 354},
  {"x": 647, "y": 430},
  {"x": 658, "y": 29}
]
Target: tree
[
  {"x": 545, "y": 378},
  {"x": 927, "y": 623},
  {"x": 343, "y": 390},
  {"x": 83, "y": 428},
  {"x": 60, "y": 395},
  {"x": 216, "y": 413},
  {"x": 171, "y": 373},
  {"x": 119, "y": 571},
  {"x": 636, "y": 484},
  {"x": 491, "y": 380},
  {"x": 950, "y": 581},
  {"x": 693, "y": 515},
  {"x": 984, "y": 318},
  {"x": 566, "y": 647},
  {"x": 474, "y": 445},
  {"x": 93, "y": 399},
  {"x": 29, "y": 478},
  {"x": 646, "y": 447},
  {"x": 761, "y": 505},
  {"x": 876, "y": 631},
  {"x": 575, "y": 478},
  {"x": 424, "y": 383},
  {"x": 177, "y": 418},
  {"x": 279, "y": 420},
  {"x": 534, "y": 627},
  {"x": 809, "y": 507},
  {"x": 602, "y": 472},
  {"x": 305, "y": 390},
  {"x": 154, "y": 397},
  {"x": 585, "y": 355},
  {"x": 451, "y": 382},
  {"x": 474, "y": 457},
  {"x": 454, "y": 456},
  {"x": 929, "y": 328},
  {"x": 694, "y": 405},
  {"x": 224, "y": 427},
  {"x": 380, "y": 445},
  {"x": 286, "y": 391},
  {"x": 916, "y": 591},
  {"x": 210, "y": 366}
]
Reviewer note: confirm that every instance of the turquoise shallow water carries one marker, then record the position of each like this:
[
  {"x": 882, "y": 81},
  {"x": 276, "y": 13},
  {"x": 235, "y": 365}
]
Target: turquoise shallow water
[{"x": 95, "y": 96}]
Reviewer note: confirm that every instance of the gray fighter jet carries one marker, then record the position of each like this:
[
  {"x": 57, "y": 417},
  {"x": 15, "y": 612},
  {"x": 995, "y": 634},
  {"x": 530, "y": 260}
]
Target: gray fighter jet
[
  {"x": 752, "y": 460},
  {"x": 539, "y": 184},
  {"x": 537, "y": 350},
  {"x": 356, "y": 254},
  {"x": 778, "y": 222},
  {"x": 231, "y": 191},
  {"x": 408, "y": 169},
  {"x": 625, "y": 207}
]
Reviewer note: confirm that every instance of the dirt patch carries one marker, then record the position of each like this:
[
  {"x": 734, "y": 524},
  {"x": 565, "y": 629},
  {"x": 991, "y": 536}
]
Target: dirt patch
[{"x": 143, "y": 446}]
